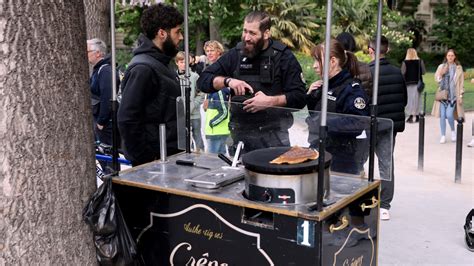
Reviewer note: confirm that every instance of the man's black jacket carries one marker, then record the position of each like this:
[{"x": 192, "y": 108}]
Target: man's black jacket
[
  {"x": 392, "y": 94},
  {"x": 148, "y": 99}
]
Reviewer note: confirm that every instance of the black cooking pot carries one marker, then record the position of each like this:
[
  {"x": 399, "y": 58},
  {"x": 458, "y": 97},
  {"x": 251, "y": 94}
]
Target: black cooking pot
[{"x": 282, "y": 183}]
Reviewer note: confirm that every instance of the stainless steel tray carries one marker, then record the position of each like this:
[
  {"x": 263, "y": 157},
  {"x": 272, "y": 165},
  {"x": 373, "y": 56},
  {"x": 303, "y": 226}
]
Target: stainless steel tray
[{"x": 217, "y": 178}]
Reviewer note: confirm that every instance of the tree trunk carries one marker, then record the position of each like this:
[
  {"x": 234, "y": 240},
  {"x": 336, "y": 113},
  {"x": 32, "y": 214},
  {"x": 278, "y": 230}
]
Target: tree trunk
[
  {"x": 214, "y": 33},
  {"x": 47, "y": 170},
  {"x": 98, "y": 19},
  {"x": 198, "y": 40}
]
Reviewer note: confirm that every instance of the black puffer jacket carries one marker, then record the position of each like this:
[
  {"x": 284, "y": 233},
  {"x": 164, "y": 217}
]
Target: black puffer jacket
[
  {"x": 148, "y": 99},
  {"x": 392, "y": 94}
]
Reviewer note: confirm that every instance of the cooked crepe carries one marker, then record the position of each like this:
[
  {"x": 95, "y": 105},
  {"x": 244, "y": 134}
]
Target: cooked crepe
[{"x": 296, "y": 155}]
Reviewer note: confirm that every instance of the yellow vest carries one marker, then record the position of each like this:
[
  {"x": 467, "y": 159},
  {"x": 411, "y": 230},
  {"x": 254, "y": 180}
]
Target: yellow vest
[{"x": 220, "y": 129}]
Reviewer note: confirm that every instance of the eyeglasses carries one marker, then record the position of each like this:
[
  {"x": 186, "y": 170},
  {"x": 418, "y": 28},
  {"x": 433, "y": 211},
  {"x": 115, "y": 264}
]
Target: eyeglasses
[{"x": 88, "y": 51}]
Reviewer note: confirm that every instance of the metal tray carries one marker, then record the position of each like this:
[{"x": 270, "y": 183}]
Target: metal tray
[{"x": 217, "y": 178}]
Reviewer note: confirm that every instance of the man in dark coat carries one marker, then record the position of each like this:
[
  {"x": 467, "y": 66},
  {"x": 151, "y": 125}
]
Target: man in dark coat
[
  {"x": 150, "y": 88},
  {"x": 101, "y": 89},
  {"x": 101, "y": 93},
  {"x": 392, "y": 99},
  {"x": 262, "y": 73}
]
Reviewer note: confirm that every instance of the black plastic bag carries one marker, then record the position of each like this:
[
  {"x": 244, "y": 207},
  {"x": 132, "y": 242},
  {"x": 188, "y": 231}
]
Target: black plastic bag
[{"x": 113, "y": 242}]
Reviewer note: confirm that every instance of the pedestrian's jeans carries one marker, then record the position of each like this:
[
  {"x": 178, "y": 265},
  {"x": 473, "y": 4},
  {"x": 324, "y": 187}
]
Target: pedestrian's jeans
[
  {"x": 446, "y": 111},
  {"x": 216, "y": 144},
  {"x": 384, "y": 150},
  {"x": 196, "y": 129}
]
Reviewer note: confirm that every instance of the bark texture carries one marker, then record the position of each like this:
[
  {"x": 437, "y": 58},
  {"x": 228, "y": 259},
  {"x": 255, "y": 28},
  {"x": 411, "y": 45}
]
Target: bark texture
[
  {"x": 98, "y": 19},
  {"x": 46, "y": 152}
]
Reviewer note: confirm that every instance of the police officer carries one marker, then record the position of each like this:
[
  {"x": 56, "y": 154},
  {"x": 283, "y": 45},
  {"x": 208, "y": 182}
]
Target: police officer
[
  {"x": 261, "y": 73},
  {"x": 345, "y": 96}
]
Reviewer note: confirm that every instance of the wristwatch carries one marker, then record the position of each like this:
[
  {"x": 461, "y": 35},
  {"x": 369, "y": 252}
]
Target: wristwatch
[{"x": 226, "y": 81}]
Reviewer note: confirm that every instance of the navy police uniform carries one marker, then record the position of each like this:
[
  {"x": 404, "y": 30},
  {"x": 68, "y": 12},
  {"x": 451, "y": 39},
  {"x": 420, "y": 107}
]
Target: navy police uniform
[
  {"x": 345, "y": 96},
  {"x": 274, "y": 71}
]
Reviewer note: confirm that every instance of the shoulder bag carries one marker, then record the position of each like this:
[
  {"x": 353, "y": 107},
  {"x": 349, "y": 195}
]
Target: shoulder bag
[
  {"x": 441, "y": 95},
  {"x": 421, "y": 85}
]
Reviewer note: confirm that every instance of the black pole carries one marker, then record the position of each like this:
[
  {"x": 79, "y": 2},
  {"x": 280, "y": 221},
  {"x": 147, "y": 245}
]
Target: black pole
[
  {"x": 187, "y": 87},
  {"x": 373, "y": 108},
  {"x": 115, "y": 138},
  {"x": 323, "y": 129},
  {"x": 373, "y": 140},
  {"x": 187, "y": 107},
  {"x": 115, "y": 133},
  {"x": 421, "y": 136},
  {"x": 424, "y": 103},
  {"x": 457, "y": 177},
  {"x": 322, "y": 148}
]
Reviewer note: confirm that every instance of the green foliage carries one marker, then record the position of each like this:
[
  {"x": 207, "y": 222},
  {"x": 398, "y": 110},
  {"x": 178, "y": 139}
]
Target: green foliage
[
  {"x": 363, "y": 57},
  {"x": 128, "y": 22},
  {"x": 431, "y": 60},
  {"x": 396, "y": 29},
  {"x": 455, "y": 28},
  {"x": 352, "y": 16},
  {"x": 469, "y": 74},
  {"x": 123, "y": 57},
  {"x": 306, "y": 63}
]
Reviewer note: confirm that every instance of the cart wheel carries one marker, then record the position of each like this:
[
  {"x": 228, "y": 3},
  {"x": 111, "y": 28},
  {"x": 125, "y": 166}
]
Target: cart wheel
[
  {"x": 469, "y": 244},
  {"x": 469, "y": 237}
]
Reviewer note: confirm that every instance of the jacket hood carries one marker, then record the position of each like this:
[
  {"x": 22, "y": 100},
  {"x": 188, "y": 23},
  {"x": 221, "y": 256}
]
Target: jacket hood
[{"x": 146, "y": 46}]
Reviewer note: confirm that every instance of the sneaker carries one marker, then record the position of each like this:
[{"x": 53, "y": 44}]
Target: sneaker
[
  {"x": 442, "y": 140},
  {"x": 453, "y": 136},
  {"x": 384, "y": 214},
  {"x": 471, "y": 144}
]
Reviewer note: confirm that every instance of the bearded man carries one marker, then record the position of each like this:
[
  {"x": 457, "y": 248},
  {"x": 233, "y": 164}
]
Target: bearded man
[
  {"x": 261, "y": 73},
  {"x": 150, "y": 88}
]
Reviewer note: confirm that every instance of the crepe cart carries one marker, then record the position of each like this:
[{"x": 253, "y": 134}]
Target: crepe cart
[{"x": 196, "y": 209}]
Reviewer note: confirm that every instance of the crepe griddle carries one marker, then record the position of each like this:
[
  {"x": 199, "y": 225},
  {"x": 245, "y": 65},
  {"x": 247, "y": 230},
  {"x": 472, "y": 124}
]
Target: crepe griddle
[{"x": 259, "y": 161}]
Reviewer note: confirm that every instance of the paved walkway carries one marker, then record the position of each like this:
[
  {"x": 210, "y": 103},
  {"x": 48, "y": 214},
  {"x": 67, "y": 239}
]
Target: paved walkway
[{"x": 429, "y": 209}]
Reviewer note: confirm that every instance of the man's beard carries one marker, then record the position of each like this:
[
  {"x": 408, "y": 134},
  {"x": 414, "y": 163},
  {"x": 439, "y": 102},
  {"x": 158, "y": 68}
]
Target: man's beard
[
  {"x": 169, "y": 48},
  {"x": 257, "y": 48}
]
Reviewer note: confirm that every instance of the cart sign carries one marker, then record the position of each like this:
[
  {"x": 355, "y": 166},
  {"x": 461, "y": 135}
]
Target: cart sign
[
  {"x": 305, "y": 233},
  {"x": 197, "y": 241}
]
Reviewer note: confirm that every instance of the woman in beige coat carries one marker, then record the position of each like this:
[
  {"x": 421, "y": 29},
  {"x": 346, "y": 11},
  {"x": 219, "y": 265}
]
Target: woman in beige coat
[{"x": 450, "y": 74}]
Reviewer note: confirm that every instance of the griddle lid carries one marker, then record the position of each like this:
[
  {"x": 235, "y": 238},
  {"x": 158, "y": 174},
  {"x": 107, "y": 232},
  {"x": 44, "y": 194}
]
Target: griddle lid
[{"x": 259, "y": 161}]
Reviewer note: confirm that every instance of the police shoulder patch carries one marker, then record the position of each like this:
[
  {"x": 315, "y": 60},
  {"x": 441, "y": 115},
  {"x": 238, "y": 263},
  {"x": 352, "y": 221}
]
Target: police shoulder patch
[{"x": 359, "y": 103}]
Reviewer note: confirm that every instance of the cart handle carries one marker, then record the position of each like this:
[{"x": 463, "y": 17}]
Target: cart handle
[
  {"x": 374, "y": 204},
  {"x": 344, "y": 224}
]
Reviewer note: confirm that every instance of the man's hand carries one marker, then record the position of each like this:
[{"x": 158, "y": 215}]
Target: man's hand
[
  {"x": 259, "y": 102},
  {"x": 100, "y": 127},
  {"x": 240, "y": 86}
]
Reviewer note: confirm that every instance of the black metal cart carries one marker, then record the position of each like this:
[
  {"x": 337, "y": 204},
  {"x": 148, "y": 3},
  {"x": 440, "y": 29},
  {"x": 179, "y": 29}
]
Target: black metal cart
[{"x": 176, "y": 223}]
